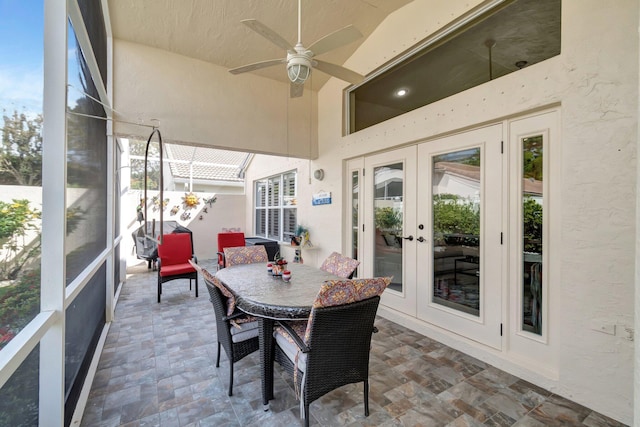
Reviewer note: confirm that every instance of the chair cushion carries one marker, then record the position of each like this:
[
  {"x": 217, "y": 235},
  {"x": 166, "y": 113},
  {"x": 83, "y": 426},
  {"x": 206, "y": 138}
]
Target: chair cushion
[
  {"x": 339, "y": 292},
  {"x": 244, "y": 331},
  {"x": 291, "y": 351},
  {"x": 231, "y": 300},
  {"x": 339, "y": 265},
  {"x": 175, "y": 249},
  {"x": 245, "y": 255},
  {"x": 299, "y": 327},
  {"x": 175, "y": 269},
  {"x": 228, "y": 240}
]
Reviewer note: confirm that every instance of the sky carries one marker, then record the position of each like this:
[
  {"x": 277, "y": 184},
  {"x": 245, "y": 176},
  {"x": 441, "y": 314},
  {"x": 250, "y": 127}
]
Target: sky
[{"x": 21, "y": 56}]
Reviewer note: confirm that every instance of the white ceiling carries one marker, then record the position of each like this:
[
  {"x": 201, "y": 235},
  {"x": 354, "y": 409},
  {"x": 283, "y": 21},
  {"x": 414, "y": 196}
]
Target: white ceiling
[{"x": 210, "y": 30}]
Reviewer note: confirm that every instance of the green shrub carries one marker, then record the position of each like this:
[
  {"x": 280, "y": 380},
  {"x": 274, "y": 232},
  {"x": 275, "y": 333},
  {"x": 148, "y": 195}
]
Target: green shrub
[
  {"x": 532, "y": 225},
  {"x": 19, "y": 304},
  {"x": 388, "y": 218},
  {"x": 453, "y": 214},
  {"x": 16, "y": 218}
]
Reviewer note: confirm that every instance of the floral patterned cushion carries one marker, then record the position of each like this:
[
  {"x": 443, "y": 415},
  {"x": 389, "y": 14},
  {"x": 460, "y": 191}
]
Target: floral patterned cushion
[
  {"x": 339, "y": 292},
  {"x": 231, "y": 300},
  {"x": 339, "y": 265},
  {"x": 245, "y": 255}
]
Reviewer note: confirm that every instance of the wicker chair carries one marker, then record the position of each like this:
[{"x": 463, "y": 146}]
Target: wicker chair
[
  {"x": 340, "y": 265},
  {"x": 332, "y": 348},
  {"x": 237, "y": 332}
]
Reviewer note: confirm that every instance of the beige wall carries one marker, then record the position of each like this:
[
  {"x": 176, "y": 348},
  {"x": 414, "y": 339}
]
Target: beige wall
[
  {"x": 594, "y": 83},
  {"x": 199, "y": 103}
]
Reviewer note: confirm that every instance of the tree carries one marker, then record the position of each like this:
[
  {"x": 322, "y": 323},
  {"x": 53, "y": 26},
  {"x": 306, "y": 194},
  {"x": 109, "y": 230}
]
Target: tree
[
  {"x": 21, "y": 150},
  {"x": 137, "y": 148}
]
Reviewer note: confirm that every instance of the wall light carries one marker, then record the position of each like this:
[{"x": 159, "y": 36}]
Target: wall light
[{"x": 318, "y": 174}]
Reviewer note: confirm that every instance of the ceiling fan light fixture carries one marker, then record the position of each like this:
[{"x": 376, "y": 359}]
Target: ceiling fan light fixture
[{"x": 298, "y": 69}]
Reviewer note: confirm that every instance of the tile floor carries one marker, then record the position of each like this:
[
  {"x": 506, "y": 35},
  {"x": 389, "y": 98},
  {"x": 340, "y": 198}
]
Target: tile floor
[{"x": 158, "y": 369}]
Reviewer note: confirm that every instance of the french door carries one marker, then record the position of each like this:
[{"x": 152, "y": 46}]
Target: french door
[
  {"x": 390, "y": 217},
  {"x": 459, "y": 251},
  {"x": 432, "y": 221}
]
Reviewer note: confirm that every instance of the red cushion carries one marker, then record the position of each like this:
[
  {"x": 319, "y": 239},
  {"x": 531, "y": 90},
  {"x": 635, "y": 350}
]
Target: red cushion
[
  {"x": 229, "y": 240},
  {"x": 175, "y": 269},
  {"x": 175, "y": 249}
]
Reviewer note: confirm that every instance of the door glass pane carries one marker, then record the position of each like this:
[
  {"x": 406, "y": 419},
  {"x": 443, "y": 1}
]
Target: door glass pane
[
  {"x": 388, "y": 216},
  {"x": 354, "y": 217},
  {"x": 532, "y": 234},
  {"x": 456, "y": 230}
]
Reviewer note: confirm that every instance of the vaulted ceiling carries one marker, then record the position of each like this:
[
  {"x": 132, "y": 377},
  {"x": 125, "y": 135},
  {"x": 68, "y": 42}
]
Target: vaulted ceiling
[{"x": 210, "y": 30}]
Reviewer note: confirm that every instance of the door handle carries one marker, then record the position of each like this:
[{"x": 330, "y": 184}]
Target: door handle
[
  {"x": 410, "y": 238},
  {"x": 421, "y": 239}
]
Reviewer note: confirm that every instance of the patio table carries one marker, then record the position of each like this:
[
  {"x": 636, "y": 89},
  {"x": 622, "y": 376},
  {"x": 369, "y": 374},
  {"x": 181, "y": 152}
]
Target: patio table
[{"x": 269, "y": 298}]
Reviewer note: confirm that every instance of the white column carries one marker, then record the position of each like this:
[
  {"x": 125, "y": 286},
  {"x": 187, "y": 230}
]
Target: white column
[{"x": 54, "y": 166}]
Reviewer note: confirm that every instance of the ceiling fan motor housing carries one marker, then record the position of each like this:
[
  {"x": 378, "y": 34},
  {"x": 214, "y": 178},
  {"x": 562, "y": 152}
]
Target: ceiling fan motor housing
[{"x": 298, "y": 66}]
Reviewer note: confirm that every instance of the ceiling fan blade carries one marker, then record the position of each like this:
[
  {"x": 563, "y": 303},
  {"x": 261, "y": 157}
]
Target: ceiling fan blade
[
  {"x": 296, "y": 90},
  {"x": 336, "y": 39},
  {"x": 257, "y": 66},
  {"x": 267, "y": 33},
  {"x": 338, "y": 71}
]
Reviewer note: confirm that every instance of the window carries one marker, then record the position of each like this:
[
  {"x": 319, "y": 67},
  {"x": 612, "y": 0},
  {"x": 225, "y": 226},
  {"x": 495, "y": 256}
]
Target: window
[
  {"x": 532, "y": 227},
  {"x": 276, "y": 215},
  {"x": 513, "y": 35}
]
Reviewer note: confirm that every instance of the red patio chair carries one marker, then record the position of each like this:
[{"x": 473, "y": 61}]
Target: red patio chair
[
  {"x": 228, "y": 240},
  {"x": 173, "y": 259}
]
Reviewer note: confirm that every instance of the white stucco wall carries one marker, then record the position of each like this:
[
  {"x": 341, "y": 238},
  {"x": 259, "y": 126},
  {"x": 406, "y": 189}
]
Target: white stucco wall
[
  {"x": 227, "y": 212},
  {"x": 264, "y": 166},
  {"x": 594, "y": 83},
  {"x": 195, "y": 102}
]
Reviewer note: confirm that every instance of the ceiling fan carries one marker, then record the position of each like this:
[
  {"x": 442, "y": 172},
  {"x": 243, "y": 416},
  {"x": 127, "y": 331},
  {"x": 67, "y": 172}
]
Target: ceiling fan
[{"x": 301, "y": 60}]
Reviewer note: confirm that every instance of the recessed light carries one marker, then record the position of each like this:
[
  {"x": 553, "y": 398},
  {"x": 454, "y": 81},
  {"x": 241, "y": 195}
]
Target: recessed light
[{"x": 401, "y": 92}]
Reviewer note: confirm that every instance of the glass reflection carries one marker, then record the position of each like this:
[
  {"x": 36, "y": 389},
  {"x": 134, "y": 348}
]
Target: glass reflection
[
  {"x": 532, "y": 226},
  {"x": 388, "y": 217},
  {"x": 354, "y": 217},
  {"x": 456, "y": 230}
]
